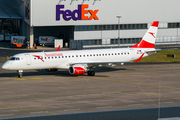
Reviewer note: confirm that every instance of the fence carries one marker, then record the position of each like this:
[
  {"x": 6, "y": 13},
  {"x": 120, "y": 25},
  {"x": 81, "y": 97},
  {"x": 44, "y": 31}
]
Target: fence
[{"x": 126, "y": 42}]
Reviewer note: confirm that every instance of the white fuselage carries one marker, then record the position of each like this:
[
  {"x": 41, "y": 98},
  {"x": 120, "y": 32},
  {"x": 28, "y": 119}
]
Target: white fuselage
[{"x": 65, "y": 59}]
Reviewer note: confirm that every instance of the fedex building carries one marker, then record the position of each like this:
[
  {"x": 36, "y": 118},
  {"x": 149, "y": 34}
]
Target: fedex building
[{"x": 98, "y": 22}]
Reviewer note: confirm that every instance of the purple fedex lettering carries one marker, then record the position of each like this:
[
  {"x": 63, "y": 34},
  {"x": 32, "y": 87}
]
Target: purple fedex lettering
[
  {"x": 78, "y": 11},
  {"x": 67, "y": 14},
  {"x": 58, "y": 11},
  {"x": 79, "y": 14}
]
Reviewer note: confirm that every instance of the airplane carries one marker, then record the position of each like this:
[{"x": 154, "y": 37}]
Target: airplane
[{"x": 84, "y": 61}]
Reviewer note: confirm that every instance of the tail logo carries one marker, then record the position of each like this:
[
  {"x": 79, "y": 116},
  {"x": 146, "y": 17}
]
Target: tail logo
[{"x": 152, "y": 34}]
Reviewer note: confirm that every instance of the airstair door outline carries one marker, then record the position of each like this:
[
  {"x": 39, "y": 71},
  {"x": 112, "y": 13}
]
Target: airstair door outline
[{"x": 28, "y": 59}]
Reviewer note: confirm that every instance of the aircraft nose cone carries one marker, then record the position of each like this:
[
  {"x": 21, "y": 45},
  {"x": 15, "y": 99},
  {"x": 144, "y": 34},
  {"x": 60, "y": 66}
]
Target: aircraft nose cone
[{"x": 4, "y": 66}]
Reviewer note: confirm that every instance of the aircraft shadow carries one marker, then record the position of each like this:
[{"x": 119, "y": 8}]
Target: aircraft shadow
[{"x": 63, "y": 73}]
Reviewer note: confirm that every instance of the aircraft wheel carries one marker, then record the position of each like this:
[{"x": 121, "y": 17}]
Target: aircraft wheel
[
  {"x": 20, "y": 75},
  {"x": 91, "y": 73}
]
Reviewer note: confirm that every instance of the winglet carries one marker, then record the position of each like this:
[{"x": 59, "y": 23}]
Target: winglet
[
  {"x": 139, "y": 58},
  {"x": 58, "y": 48}
]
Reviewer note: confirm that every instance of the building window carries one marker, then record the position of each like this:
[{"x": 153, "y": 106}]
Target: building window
[
  {"x": 125, "y": 40},
  {"x": 110, "y": 27},
  {"x": 173, "y": 25}
]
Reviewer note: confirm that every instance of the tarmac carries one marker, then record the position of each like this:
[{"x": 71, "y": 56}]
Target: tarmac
[
  {"x": 122, "y": 87},
  {"x": 132, "y": 86}
]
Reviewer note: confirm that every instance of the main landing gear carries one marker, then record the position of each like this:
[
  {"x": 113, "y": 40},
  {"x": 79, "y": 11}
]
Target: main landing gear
[
  {"x": 91, "y": 73},
  {"x": 20, "y": 73}
]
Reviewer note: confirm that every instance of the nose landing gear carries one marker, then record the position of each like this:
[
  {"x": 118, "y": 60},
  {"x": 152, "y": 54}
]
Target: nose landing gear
[{"x": 20, "y": 73}]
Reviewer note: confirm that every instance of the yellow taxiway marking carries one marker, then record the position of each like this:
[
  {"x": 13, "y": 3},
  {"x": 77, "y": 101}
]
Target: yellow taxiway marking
[
  {"x": 143, "y": 72},
  {"x": 132, "y": 92},
  {"x": 177, "y": 98},
  {"x": 78, "y": 85},
  {"x": 136, "y": 83},
  {"x": 105, "y": 88},
  {"x": 20, "y": 79},
  {"x": 26, "y": 108},
  {"x": 36, "y": 78},
  {"x": 118, "y": 90}
]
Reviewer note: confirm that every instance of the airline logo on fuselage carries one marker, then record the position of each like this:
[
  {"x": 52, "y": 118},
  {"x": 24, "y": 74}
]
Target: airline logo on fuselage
[
  {"x": 48, "y": 55},
  {"x": 80, "y": 14}
]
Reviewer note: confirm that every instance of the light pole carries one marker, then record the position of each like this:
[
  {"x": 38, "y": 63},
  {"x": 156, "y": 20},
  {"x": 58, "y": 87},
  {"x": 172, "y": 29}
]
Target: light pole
[
  {"x": 118, "y": 29},
  {"x": 177, "y": 33}
]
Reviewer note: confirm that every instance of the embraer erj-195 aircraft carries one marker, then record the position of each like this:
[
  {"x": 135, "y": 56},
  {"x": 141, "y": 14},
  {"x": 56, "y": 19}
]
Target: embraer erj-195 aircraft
[{"x": 81, "y": 61}]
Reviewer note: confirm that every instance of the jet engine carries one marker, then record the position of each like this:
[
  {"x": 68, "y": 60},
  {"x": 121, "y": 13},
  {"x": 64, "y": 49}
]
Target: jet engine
[{"x": 77, "y": 70}]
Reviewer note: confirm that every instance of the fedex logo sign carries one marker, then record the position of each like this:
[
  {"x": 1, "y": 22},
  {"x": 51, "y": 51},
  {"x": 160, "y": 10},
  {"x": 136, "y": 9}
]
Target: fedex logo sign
[{"x": 80, "y": 14}]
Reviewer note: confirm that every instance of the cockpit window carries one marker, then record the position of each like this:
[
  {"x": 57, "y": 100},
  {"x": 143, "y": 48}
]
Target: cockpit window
[
  {"x": 17, "y": 59},
  {"x": 14, "y": 58}
]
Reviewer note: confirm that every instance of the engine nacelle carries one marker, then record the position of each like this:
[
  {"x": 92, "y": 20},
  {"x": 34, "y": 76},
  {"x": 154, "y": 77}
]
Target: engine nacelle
[{"x": 77, "y": 70}]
